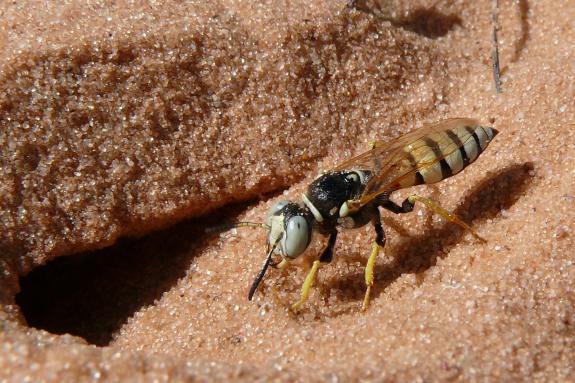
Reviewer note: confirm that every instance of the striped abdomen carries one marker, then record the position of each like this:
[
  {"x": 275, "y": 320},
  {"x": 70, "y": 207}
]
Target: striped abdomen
[{"x": 443, "y": 153}]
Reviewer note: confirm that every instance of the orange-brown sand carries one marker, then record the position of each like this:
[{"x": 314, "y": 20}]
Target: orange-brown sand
[{"x": 126, "y": 130}]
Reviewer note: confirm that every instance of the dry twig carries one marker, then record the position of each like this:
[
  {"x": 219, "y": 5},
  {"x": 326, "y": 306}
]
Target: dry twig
[{"x": 495, "y": 48}]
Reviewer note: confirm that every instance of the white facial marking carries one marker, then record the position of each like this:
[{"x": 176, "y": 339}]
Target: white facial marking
[{"x": 276, "y": 223}]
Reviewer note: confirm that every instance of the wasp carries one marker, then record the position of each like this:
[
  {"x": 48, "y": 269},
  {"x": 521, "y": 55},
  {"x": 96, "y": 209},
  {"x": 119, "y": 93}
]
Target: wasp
[{"x": 350, "y": 195}]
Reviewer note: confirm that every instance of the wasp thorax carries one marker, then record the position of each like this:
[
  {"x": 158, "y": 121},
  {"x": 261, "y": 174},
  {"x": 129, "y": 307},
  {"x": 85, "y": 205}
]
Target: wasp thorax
[
  {"x": 327, "y": 196},
  {"x": 290, "y": 229}
]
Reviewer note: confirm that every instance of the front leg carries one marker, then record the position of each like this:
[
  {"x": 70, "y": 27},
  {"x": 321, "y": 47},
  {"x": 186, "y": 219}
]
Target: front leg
[{"x": 326, "y": 257}]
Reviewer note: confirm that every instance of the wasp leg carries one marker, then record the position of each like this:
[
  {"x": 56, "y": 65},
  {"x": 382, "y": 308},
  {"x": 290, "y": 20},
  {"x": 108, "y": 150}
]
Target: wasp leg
[
  {"x": 378, "y": 244},
  {"x": 309, "y": 279},
  {"x": 408, "y": 203},
  {"x": 326, "y": 257}
]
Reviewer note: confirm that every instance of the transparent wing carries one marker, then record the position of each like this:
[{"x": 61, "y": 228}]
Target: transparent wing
[{"x": 394, "y": 164}]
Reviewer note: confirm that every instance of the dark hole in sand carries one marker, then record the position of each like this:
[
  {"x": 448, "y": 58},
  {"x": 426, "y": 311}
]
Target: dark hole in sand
[{"x": 91, "y": 295}]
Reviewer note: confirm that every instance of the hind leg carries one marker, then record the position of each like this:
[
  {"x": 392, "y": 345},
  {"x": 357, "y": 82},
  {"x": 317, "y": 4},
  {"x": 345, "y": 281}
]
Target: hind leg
[{"x": 409, "y": 202}]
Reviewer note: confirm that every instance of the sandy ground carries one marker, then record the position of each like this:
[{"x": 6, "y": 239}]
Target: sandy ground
[{"x": 125, "y": 131}]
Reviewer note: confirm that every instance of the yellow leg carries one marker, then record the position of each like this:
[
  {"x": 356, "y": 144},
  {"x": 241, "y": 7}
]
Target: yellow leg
[
  {"x": 443, "y": 213},
  {"x": 307, "y": 284},
  {"x": 369, "y": 274}
]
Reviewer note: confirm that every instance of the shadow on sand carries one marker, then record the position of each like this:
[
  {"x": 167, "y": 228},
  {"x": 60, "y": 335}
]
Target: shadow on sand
[{"x": 414, "y": 255}]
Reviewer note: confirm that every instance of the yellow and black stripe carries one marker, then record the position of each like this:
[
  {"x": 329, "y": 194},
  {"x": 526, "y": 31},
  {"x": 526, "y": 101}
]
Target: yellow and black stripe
[{"x": 441, "y": 154}]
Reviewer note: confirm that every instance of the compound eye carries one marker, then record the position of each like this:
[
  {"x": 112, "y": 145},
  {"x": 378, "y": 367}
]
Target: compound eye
[
  {"x": 276, "y": 208},
  {"x": 296, "y": 237}
]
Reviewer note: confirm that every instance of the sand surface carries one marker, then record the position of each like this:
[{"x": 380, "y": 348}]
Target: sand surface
[{"x": 126, "y": 130}]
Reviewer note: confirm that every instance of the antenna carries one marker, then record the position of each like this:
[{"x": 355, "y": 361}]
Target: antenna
[
  {"x": 228, "y": 226},
  {"x": 262, "y": 272}
]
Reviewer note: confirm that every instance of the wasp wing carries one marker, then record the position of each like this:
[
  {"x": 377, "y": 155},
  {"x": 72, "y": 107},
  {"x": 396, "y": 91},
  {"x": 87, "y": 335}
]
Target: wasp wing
[{"x": 395, "y": 164}]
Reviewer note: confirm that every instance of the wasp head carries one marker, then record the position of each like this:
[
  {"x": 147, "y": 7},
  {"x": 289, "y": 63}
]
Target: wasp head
[{"x": 290, "y": 229}]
